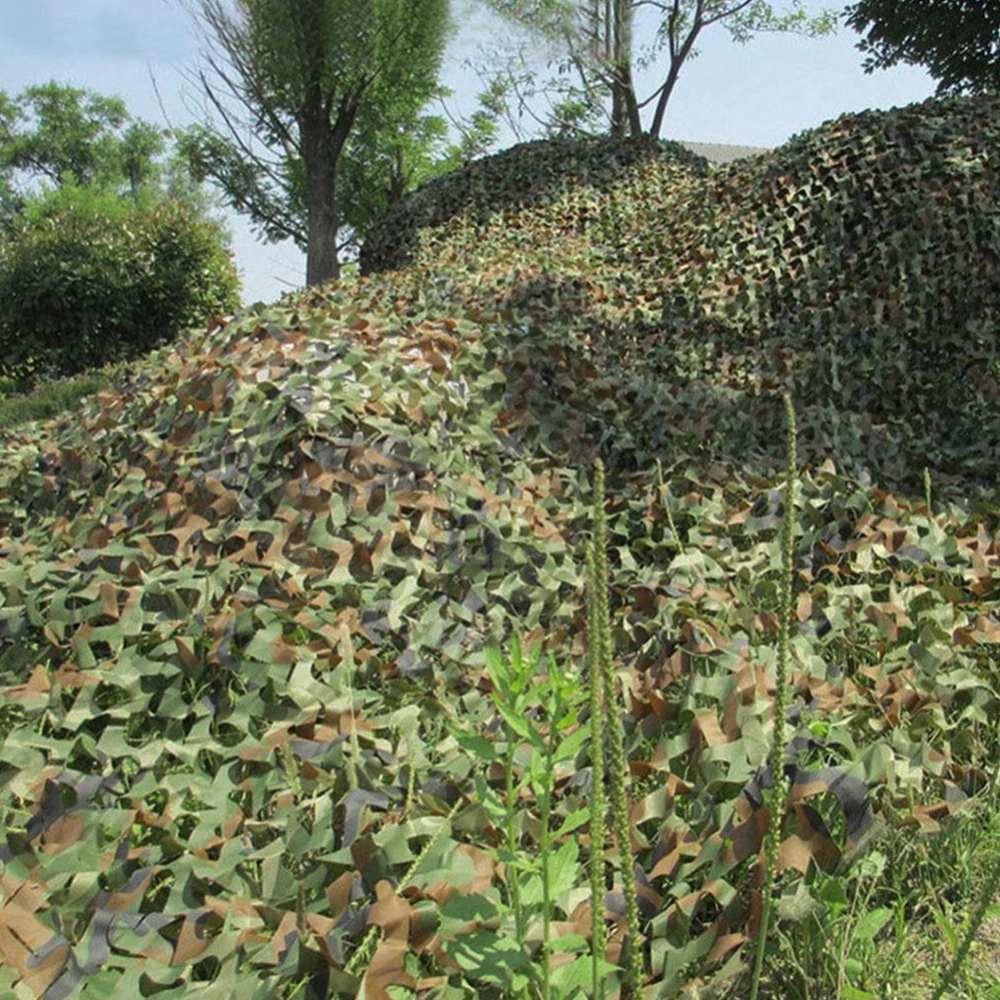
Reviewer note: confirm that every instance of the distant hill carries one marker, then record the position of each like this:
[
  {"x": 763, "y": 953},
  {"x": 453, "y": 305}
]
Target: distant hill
[{"x": 719, "y": 153}]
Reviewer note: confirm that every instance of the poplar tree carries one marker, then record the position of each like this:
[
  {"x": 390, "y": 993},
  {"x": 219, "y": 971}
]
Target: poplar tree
[{"x": 314, "y": 112}]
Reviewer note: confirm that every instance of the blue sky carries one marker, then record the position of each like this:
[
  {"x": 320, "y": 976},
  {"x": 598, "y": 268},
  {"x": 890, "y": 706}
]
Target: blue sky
[{"x": 756, "y": 94}]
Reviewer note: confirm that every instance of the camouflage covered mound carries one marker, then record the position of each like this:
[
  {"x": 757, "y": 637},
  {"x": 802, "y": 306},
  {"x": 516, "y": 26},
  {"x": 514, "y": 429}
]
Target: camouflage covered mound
[
  {"x": 860, "y": 265},
  {"x": 244, "y": 597},
  {"x": 525, "y": 176},
  {"x": 857, "y": 266}
]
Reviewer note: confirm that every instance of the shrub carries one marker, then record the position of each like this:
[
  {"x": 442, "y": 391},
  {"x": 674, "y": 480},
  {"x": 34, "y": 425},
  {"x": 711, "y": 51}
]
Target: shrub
[{"x": 90, "y": 280}]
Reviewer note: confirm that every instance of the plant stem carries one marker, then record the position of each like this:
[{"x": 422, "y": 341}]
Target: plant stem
[
  {"x": 618, "y": 772},
  {"x": 598, "y": 931},
  {"x": 544, "y": 844},
  {"x": 775, "y": 798},
  {"x": 510, "y": 802},
  {"x": 665, "y": 498}
]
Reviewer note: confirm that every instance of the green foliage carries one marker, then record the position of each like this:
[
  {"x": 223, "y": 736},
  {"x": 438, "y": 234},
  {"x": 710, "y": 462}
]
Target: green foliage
[
  {"x": 19, "y": 405},
  {"x": 56, "y": 133},
  {"x": 954, "y": 40},
  {"x": 541, "y": 736},
  {"x": 252, "y": 739},
  {"x": 88, "y": 279}
]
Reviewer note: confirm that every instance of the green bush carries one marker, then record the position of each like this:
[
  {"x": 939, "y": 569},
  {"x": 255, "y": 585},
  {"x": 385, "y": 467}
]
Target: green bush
[{"x": 88, "y": 282}]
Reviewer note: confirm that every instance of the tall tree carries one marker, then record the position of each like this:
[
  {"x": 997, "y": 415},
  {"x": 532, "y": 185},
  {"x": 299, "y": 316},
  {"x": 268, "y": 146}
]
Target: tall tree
[
  {"x": 956, "y": 41},
  {"x": 595, "y": 38},
  {"x": 316, "y": 104}
]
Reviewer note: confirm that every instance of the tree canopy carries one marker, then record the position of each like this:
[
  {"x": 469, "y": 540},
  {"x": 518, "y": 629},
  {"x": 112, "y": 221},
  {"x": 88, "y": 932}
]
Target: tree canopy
[
  {"x": 315, "y": 112},
  {"x": 956, "y": 41},
  {"x": 52, "y": 134},
  {"x": 108, "y": 249}
]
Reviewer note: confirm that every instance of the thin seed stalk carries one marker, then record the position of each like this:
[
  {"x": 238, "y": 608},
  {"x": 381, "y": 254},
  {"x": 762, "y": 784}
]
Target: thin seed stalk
[
  {"x": 598, "y": 931},
  {"x": 665, "y": 499},
  {"x": 618, "y": 769},
  {"x": 776, "y": 796},
  {"x": 545, "y": 841},
  {"x": 365, "y": 951}
]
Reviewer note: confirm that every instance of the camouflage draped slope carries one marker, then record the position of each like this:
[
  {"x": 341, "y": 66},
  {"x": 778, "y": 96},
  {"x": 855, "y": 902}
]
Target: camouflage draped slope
[{"x": 244, "y": 707}]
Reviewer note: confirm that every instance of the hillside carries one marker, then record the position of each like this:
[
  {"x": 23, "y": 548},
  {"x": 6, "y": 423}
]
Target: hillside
[{"x": 244, "y": 597}]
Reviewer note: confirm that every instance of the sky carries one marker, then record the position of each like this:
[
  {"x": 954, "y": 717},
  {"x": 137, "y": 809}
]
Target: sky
[{"x": 755, "y": 94}]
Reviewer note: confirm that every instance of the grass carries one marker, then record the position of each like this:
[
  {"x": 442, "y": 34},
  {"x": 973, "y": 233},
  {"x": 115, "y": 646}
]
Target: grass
[{"x": 49, "y": 398}]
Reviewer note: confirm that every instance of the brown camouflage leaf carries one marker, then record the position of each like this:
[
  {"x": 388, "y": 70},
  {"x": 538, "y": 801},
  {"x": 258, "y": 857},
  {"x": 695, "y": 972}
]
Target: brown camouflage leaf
[
  {"x": 925, "y": 817},
  {"x": 26, "y": 944},
  {"x": 887, "y": 625},
  {"x": 242, "y": 914},
  {"x": 701, "y": 637},
  {"x": 804, "y": 606},
  {"x": 387, "y": 968},
  {"x": 985, "y": 629},
  {"x": 677, "y": 849},
  {"x": 810, "y": 843},
  {"x": 63, "y": 832},
  {"x": 705, "y": 729},
  {"x": 767, "y": 621},
  {"x": 338, "y": 893},
  {"x": 744, "y": 839},
  {"x": 133, "y": 892},
  {"x": 284, "y": 937},
  {"x": 44, "y": 969},
  {"x": 643, "y": 598},
  {"x": 192, "y": 939},
  {"x": 391, "y": 913},
  {"x": 38, "y": 683}
]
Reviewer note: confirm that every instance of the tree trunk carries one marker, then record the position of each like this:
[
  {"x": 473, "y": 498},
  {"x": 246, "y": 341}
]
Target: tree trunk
[
  {"x": 322, "y": 261},
  {"x": 323, "y": 137},
  {"x": 677, "y": 58},
  {"x": 624, "y": 105}
]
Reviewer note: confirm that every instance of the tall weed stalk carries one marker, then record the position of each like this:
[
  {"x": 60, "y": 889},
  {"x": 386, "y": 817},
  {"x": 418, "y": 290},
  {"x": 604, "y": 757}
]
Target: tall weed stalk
[
  {"x": 775, "y": 797},
  {"x": 618, "y": 774},
  {"x": 598, "y": 931}
]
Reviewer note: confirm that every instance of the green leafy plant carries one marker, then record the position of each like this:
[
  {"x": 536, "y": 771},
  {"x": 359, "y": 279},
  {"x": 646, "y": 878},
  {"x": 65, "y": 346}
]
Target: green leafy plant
[
  {"x": 103, "y": 281},
  {"x": 539, "y": 710}
]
